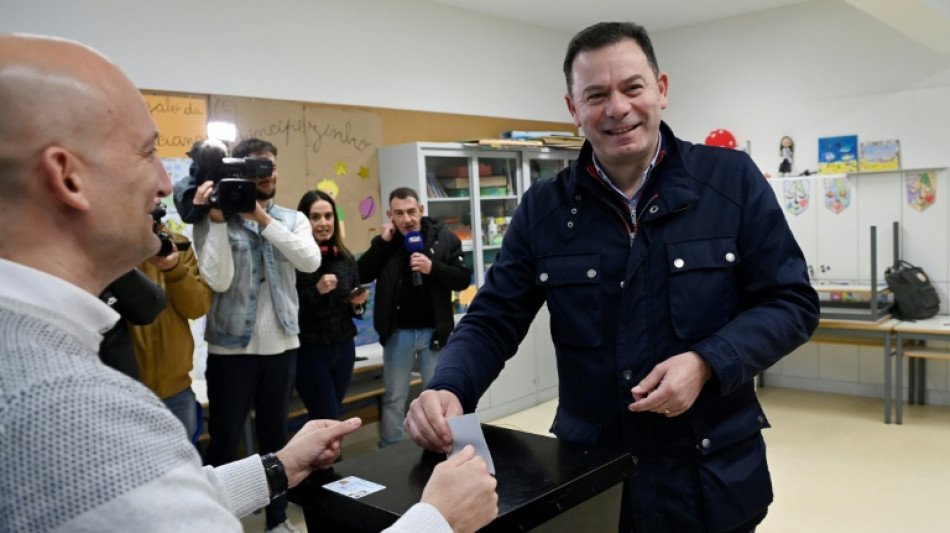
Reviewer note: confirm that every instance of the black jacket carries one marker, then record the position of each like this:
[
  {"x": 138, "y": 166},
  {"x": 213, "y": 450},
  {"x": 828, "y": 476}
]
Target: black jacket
[
  {"x": 328, "y": 318},
  {"x": 384, "y": 262}
]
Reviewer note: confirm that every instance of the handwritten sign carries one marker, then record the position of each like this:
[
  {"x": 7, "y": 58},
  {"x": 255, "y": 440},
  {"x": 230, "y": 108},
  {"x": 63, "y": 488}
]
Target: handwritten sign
[
  {"x": 316, "y": 145},
  {"x": 181, "y": 121}
]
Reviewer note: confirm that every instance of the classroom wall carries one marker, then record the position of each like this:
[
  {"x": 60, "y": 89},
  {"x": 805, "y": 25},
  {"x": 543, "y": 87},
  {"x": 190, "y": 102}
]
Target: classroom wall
[
  {"x": 405, "y": 54},
  {"x": 811, "y": 70},
  {"x": 818, "y": 69}
]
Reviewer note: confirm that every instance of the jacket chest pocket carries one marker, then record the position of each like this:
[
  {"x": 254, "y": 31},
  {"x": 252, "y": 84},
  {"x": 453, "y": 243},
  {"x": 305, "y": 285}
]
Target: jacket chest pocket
[
  {"x": 572, "y": 286},
  {"x": 703, "y": 293}
]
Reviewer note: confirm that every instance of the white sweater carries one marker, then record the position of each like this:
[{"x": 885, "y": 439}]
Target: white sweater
[{"x": 86, "y": 448}]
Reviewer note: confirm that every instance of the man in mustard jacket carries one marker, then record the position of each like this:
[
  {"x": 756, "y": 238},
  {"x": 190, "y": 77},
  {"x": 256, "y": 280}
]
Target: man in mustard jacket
[{"x": 165, "y": 347}]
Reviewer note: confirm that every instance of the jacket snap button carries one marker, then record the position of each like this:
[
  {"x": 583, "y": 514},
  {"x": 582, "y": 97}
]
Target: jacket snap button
[
  {"x": 592, "y": 273},
  {"x": 574, "y": 211},
  {"x": 621, "y": 284},
  {"x": 678, "y": 263},
  {"x": 578, "y": 197},
  {"x": 730, "y": 257},
  {"x": 706, "y": 444},
  {"x": 654, "y": 209},
  {"x": 627, "y": 375},
  {"x": 761, "y": 419},
  {"x": 570, "y": 224},
  {"x": 543, "y": 276}
]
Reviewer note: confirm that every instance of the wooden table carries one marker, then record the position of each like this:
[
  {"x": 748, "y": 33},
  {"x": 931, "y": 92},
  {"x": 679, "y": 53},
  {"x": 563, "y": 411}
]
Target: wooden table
[
  {"x": 916, "y": 334},
  {"x": 865, "y": 333}
]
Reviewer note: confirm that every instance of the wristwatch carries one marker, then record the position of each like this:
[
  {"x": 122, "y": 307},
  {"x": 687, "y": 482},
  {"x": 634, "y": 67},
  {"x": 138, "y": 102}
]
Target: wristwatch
[{"x": 276, "y": 476}]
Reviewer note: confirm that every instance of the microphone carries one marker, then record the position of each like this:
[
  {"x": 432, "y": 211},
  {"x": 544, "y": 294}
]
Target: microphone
[{"x": 413, "y": 245}]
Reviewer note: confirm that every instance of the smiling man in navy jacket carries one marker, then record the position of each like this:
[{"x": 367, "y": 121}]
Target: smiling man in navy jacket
[{"x": 672, "y": 280}]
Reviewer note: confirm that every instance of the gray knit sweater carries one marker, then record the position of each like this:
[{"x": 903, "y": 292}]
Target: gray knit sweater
[{"x": 85, "y": 448}]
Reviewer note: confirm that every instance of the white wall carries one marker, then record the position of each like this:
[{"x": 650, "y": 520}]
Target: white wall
[
  {"x": 811, "y": 70},
  {"x": 403, "y": 54}
]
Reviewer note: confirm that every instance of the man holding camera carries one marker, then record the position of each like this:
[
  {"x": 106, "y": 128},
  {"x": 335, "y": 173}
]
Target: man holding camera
[
  {"x": 250, "y": 260},
  {"x": 416, "y": 263}
]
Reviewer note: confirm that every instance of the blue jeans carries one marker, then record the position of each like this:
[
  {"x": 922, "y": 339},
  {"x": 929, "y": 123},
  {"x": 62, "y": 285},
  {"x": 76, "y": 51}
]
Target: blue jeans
[
  {"x": 323, "y": 374},
  {"x": 399, "y": 353},
  {"x": 182, "y": 405}
]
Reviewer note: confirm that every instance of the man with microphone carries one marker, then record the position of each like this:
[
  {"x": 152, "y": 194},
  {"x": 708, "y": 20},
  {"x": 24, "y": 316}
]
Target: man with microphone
[{"x": 416, "y": 264}]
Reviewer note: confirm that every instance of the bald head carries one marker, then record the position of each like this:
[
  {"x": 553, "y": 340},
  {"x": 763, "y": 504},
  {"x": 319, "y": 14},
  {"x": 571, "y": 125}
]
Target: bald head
[
  {"x": 78, "y": 167},
  {"x": 52, "y": 91}
]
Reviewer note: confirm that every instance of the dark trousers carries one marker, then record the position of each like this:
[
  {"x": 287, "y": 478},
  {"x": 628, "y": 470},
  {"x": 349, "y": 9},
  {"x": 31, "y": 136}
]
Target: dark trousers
[
  {"x": 323, "y": 374},
  {"x": 235, "y": 384}
]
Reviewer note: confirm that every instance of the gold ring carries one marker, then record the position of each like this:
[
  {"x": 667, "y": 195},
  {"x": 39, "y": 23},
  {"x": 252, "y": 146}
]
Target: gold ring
[{"x": 666, "y": 411}]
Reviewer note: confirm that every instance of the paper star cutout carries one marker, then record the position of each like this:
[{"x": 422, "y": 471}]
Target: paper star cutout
[
  {"x": 364, "y": 173},
  {"x": 340, "y": 168}
]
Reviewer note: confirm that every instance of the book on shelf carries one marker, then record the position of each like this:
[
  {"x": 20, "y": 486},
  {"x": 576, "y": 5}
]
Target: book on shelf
[
  {"x": 454, "y": 183},
  {"x": 563, "y": 141},
  {"x": 493, "y": 191},
  {"x": 460, "y": 171},
  {"x": 504, "y": 142},
  {"x": 433, "y": 187},
  {"x": 493, "y": 181},
  {"x": 514, "y": 134}
]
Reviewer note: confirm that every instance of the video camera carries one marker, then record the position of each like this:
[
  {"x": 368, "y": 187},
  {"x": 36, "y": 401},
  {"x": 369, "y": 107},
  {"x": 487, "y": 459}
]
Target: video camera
[
  {"x": 165, "y": 238},
  {"x": 233, "y": 190}
]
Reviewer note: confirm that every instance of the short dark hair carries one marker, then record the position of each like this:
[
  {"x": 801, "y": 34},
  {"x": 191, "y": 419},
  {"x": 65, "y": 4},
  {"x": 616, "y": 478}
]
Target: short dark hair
[
  {"x": 602, "y": 34},
  {"x": 402, "y": 193},
  {"x": 253, "y": 145}
]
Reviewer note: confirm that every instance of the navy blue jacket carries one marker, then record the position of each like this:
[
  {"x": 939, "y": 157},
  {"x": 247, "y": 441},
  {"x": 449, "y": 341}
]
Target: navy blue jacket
[{"x": 707, "y": 264}]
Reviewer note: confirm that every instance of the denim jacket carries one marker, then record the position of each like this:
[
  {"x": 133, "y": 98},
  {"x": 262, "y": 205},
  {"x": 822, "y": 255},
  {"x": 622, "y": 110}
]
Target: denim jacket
[{"x": 234, "y": 311}]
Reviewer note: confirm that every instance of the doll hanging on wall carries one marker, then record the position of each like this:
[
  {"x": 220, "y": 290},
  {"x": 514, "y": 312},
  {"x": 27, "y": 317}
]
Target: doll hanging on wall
[{"x": 786, "y": 150}]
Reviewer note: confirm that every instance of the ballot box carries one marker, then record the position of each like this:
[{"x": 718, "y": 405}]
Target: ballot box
[{"x": 544, "y": 485}]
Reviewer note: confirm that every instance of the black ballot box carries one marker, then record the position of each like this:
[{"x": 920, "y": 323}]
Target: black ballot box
[{"x": 544, "y": 484}]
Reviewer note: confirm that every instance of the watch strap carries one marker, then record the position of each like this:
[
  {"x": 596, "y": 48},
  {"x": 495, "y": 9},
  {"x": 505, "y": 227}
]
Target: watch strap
[{"x": 276, "y": 475}]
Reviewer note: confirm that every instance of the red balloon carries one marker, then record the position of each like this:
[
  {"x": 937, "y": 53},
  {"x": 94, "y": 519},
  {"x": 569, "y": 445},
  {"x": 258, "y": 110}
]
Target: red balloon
[{"x": 722, "y": 138}]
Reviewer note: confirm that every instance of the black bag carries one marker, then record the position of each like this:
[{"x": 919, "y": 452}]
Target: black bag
[{"x": 914, "y": 296}]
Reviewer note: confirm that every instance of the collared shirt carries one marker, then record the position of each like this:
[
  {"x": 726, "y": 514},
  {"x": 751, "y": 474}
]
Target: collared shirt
[
  {"x": 632, "y": 201},
  {"x": 40, "y": 289}
]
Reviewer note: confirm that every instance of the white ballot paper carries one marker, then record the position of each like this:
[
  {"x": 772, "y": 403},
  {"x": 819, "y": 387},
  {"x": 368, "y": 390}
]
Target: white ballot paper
[{"x": 467, "y": 429}]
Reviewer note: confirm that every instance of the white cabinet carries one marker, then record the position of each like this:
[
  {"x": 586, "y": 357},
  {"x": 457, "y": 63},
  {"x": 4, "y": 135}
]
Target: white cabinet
[
  {"x": 474, "y": 191},
  {"x": 822, "y": 213},
  {"x": 837, "y": 242}
]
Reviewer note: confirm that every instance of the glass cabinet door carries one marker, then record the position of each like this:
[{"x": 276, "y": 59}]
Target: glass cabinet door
[
  {"x": 448, "y": 187},
  {"x": 498, "y": 194},
  {"x": 546, "y": 166}
]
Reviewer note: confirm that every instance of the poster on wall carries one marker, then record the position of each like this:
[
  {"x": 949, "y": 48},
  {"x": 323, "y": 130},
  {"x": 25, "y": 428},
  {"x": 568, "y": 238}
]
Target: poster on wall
[
  {"x": 837, "y": 194},
  {"x": 880, "y": 155},
  {"x": 837, "y": 155},
  {"x": 181, "y": 120},
  {"x": 921, "y": 190}
]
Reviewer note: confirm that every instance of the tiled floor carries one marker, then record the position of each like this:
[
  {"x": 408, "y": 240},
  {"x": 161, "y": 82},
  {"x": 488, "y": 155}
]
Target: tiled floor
[{"x": 836, "y": 466}]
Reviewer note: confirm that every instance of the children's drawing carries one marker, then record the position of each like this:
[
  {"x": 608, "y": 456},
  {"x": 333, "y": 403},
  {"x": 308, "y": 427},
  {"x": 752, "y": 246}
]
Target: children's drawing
[
  {"x": 837, "y": 194},
  {"x": 921, "y": 190},
  {"x": 797, "y": 195}
]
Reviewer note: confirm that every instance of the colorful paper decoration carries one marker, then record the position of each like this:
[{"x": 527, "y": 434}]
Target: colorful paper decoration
[{"x": 921, "y": 190}]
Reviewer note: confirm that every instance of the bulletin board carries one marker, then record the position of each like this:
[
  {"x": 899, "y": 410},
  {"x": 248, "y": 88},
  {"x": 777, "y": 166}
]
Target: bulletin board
[
  {"x": 317, "y": 148},
  {"x": 332, "y": 147}
]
